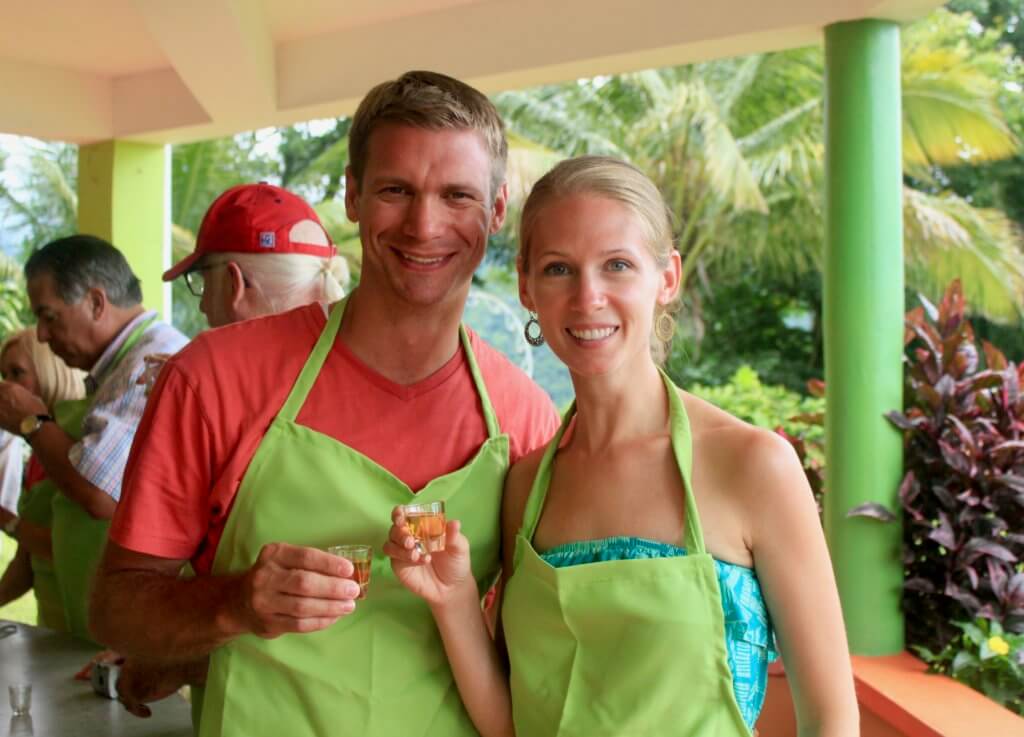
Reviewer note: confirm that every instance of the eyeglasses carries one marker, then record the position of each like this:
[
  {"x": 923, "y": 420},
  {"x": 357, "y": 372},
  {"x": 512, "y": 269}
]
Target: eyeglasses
[{"x": 195, "y": 279}]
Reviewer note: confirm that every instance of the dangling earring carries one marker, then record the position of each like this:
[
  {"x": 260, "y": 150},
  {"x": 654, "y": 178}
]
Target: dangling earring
[
  {"x": 664, "y": 326},
  {"x": 534, "y": 340}
]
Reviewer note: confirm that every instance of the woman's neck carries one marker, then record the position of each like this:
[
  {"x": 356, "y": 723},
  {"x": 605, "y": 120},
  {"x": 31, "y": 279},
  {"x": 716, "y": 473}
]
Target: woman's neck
[{"x": 612, "y": 409}]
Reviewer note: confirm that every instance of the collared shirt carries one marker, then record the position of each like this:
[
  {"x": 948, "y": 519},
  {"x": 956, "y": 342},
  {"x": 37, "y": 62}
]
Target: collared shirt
[
  {"x": 117, "y": 404},
  {"x": 13, "y": 454}
]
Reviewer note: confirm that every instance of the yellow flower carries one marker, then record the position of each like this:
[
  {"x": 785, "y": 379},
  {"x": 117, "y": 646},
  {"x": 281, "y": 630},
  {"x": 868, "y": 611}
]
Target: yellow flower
[{"x": 998, "y": 645}]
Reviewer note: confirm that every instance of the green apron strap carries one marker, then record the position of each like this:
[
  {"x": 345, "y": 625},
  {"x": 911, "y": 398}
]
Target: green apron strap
[
  {"x": 682, "y": 444},
  {"x": 542, "y": 480},
  {"x": 322, "y": 349},
  {"x": 490, "y": 416},
  {"x": 311, "y": 370}
]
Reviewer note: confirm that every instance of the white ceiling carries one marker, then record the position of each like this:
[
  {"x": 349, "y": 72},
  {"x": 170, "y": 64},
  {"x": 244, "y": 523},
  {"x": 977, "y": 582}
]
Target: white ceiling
[{"x": 178, "y": 70}]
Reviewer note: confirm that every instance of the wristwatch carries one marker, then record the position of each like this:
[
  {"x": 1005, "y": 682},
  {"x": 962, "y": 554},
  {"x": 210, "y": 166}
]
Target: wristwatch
[
  {"x": 31, "y": 424},
  {"x": 11, "y": 526}
]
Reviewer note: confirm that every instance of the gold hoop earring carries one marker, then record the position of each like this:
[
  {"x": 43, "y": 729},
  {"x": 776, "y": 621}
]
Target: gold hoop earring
[
  {"x": 537, "y": 339},
  {"x": 664, "y": 327}
]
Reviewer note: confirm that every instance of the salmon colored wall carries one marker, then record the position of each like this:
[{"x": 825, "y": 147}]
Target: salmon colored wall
[{"x": 898, "y": 698}]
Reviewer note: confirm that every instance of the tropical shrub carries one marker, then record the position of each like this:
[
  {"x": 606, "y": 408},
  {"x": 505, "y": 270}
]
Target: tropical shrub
[
  {"x": 759, "y": 404},
  {"x": 963, "y": 491},
  {"x": 986, "y": 658}
]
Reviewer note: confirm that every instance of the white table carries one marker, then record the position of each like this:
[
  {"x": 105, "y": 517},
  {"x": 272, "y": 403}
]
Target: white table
[{"x": 64, "y": 707}]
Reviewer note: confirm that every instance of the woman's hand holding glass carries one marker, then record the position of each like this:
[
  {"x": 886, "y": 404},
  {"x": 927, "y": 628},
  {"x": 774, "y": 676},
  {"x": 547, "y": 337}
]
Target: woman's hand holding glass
[{"x": 437, "y": 577}]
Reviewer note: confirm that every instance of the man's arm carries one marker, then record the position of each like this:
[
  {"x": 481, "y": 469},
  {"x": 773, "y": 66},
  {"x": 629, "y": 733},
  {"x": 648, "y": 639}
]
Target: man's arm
[
  {"x": 17, "y": 579},
  {"x": 144, "y": 681},
  {"x": 51, "y": 445},
  {"x": 34, "y": 538},
  {"x": 142, "y": 608}
]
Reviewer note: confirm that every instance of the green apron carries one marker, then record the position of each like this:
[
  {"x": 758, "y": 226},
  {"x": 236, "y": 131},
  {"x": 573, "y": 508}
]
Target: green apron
[
  {"x": 380, "y": 671},
  {"x": 35, "y": 505},
  {"x": 619, "y": 648},
  {"x": 78, "y": 538}
]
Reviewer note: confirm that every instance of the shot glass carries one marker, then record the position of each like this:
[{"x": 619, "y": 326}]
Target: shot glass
[
  {"x": 361, "y": 557},
  {"x": 427, "y": 524},
  {"x": 21, "y": 698}
]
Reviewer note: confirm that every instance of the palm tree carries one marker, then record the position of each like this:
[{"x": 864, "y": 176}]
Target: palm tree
[
  {"x": 14, "y": 312},
  {"x": 43, "y": 204},
  {"x": 736, "y": 148}
]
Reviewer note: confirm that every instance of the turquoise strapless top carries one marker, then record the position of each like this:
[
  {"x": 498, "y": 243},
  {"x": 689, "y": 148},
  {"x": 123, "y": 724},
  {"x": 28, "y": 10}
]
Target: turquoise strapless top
[{"x": 749, "y": 639}]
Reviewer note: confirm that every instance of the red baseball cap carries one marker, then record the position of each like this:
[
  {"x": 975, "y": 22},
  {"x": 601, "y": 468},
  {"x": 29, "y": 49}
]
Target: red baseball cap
[{"x": 257, "y": 218}]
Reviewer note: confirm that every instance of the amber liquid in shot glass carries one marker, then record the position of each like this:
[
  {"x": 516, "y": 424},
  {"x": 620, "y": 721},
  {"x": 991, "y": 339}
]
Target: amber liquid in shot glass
[
  {"x": 361, "y": 557},
  {"x": 427, "y": 524}
]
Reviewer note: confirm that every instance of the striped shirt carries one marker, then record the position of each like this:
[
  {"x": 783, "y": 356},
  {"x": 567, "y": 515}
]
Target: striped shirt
[{"x": 117, "y": 404}]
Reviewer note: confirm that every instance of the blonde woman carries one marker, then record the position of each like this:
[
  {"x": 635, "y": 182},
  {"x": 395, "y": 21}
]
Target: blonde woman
[
  {"x": 31, "y": 364},
  {"x": 656, "y": 547}
]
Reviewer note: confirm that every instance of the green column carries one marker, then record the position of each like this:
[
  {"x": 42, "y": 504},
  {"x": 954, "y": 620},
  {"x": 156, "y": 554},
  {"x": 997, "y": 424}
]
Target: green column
[
  {"x": 122, "y": 197},
  {"x": 863, "y": 313}
]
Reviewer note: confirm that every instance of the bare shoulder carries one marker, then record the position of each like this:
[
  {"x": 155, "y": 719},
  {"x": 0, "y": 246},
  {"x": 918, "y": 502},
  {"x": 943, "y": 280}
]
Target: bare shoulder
[
  {"x": 518, "y": 483},
  {"x": 757, "y": 465}
]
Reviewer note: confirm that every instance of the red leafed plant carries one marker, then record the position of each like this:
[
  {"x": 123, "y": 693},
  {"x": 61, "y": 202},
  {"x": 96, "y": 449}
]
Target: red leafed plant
[{"x": 963, "y": 491}]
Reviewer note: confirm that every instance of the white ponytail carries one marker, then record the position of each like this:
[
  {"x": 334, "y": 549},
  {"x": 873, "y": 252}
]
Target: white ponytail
[
  {"x": 289, "y": 280},
  {"x": 336, "y": 278}
]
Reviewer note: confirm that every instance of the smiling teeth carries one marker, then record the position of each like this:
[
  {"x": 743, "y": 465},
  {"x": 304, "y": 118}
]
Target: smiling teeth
[
  {"x": 425, "y": 261},
  {"x": 591, "y": 334}
]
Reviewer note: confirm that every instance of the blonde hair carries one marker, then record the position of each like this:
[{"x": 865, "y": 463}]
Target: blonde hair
[
  {"x": 288, "y": 280},
  {"x": 432, "y": 101},
  {"x": 617, "y": 180},
  {"x": 56, "y": 380}
]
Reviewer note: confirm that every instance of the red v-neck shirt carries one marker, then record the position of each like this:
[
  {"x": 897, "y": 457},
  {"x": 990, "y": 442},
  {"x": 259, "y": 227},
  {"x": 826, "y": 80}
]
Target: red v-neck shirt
[{"x": 216, "y": 398}]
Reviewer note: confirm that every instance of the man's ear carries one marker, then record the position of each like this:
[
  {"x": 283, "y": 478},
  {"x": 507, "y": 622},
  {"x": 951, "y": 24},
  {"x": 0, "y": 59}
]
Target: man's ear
[
  {"x": 96, "y": 301},
  {"x": 500, "y": 208},
  {"x": 351, "y": 195},
  {"x": 236, "y": 284}
]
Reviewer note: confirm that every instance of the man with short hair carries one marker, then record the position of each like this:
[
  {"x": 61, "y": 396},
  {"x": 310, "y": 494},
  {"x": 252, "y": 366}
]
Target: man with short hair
[
  {"x": 88, "y": 304},
  {"x": 299, "y": 431}
]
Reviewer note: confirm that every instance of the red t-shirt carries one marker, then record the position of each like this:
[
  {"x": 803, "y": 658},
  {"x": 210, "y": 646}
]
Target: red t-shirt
[{"x": 215, "y": 399}]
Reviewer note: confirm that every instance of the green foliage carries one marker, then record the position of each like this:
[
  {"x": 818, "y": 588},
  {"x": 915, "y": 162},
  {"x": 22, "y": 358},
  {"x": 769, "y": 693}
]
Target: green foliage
[
  {"x": 963, "y": 490},
  {"x": 736, "y": 148},
  {"x": 998, "y": 184},
  {"x": 14, "y": 308},
  {"x": 44, "y": 204},
  {"x": 22, "y": 609},
  {"x": 770, "y": 325},
  {"x": 985, "y": 658},
  {"x": 315, "y": 162},
  {"x": 771, "y": 407}
]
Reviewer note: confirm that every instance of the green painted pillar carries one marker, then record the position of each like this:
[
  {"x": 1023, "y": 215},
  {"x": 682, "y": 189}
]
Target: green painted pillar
[
  {"x": 123, "y": 196},
  {"x": 863, "y": 314}
]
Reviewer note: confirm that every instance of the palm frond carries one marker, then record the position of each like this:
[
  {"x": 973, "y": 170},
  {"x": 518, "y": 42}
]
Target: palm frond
[{"x": 946, "y": 238}]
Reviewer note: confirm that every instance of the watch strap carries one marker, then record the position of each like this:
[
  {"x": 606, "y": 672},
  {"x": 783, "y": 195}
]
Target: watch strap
[{"x": 40, "y": 419}]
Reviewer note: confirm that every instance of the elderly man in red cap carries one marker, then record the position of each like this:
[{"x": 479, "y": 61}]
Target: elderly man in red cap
[{"x": 260, "y": 250}]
